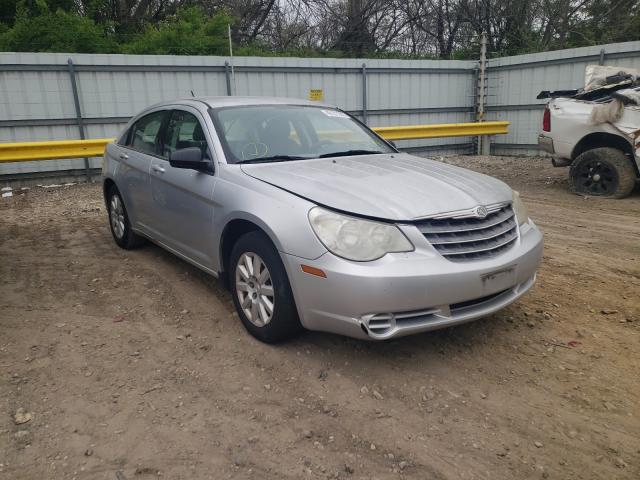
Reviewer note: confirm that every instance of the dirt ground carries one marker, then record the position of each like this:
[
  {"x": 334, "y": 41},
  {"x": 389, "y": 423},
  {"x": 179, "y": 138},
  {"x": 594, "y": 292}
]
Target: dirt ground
[{"x": 134, "y": 361}]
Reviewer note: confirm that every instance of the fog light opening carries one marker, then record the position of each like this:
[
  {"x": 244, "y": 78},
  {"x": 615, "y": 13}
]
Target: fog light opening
[{"x": 364, "y": 329}]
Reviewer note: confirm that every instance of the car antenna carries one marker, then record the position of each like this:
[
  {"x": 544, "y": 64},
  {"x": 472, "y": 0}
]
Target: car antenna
[{"x": 192, "y": 94}]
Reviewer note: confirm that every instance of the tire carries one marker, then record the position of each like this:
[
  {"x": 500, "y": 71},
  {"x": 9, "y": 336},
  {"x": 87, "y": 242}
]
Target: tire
[
  {"x": 253, "y": 291},
  {"x": 119, "y": 223},
  {"x": 603, "y": 172}
]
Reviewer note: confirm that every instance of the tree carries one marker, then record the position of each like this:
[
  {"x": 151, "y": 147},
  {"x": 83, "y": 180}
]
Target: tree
[
  {"x": 10, "y": 8},
  {"x": 250, "y": 16},
  {"x": 437, "y": 20},
  {"x": 57, "y": 31},
  {"x": 131, "y": 16},
  {"x": 605, "y": 21},
  {"x": 189, "y": 32},
  {"x": 380, "y": 28}
]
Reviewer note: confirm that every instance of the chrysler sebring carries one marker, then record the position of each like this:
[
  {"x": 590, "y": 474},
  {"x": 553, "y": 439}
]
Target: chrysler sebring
[{"x": 314, "y": 221}]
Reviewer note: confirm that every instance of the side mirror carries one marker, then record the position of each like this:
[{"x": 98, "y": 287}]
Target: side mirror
[{"x": 189, "y": 158}]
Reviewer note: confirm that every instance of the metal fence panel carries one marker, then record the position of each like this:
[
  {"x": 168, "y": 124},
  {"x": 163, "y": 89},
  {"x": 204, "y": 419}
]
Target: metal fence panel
[
  {"x": 37, "y": 103},
  {"x": 37, "y": 99}
]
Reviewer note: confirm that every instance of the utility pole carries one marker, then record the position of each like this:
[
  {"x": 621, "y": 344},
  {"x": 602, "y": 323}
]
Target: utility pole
[{"x": 483, "y": 140}]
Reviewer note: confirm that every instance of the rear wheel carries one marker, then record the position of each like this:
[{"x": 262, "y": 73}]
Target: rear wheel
[
  {"x": 261, "y": 290},
  {"x": 121, "y": 230},
  {"x": 604, "y": 172}
]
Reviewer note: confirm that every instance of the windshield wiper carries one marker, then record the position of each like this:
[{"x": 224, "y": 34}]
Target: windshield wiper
[
  {"x": 286, "y": 158},
  {"x": 274, "y": 158},
  {"x": 347, "y": 153}
]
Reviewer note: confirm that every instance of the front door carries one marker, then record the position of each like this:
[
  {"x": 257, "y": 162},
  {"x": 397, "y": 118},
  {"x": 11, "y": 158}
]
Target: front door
[{"x": 182, "y": 198}]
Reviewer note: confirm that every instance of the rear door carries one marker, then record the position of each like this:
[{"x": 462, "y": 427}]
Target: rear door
[
  {"x": 139, "y": 146},
  {"x": 182, "y": 198}
]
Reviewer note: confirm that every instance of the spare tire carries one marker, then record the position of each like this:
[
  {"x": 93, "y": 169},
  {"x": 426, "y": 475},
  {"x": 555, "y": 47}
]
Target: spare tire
[{"x": 602, "y": 172}]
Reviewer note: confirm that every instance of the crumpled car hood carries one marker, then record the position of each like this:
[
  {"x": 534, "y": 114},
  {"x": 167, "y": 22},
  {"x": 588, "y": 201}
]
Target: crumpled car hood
[{"x": 398, "y": 187}]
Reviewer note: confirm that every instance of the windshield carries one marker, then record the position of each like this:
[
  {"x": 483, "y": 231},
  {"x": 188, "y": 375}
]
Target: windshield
[{"x": 264, "y": 133}]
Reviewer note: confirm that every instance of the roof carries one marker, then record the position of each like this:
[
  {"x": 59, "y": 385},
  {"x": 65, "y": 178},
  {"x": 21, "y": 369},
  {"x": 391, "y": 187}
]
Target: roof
[{"x": 230, "y": 101}]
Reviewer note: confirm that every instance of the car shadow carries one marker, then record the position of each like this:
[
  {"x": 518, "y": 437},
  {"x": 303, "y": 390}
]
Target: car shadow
[{"x": 444, "y": 341}]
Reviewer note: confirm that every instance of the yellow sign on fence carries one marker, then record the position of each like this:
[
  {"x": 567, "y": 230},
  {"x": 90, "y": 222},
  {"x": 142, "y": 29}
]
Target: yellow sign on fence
[{"x": 316, "y": 94}]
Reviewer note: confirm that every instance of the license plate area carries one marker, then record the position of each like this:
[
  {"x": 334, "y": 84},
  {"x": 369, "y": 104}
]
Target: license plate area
[{"x": 498, "y": 280}]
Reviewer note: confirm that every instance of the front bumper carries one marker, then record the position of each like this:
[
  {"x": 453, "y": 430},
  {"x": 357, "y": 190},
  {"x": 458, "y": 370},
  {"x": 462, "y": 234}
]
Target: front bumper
[{"x": 403, "y": 294}]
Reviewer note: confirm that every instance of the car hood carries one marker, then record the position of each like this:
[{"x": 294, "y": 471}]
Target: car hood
[{"x": 393, "y": 187}]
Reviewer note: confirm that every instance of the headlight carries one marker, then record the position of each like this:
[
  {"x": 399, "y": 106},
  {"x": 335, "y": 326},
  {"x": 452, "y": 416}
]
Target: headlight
[
  {"x": 354, "y": 238},
  {"x": 522, "y": 215}
]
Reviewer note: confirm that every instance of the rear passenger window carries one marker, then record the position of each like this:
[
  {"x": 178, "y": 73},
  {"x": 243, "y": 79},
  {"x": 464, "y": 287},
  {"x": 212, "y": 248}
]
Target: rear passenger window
[
  {"x": 145, "y": 134},
  {"x": 184, "y": 131}
]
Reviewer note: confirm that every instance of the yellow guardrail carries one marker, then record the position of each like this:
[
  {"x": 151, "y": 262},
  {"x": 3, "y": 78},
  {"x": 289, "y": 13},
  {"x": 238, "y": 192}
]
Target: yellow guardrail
[
  {"x": 29, "y": 151},
  {"x": 412, "y": 132}
]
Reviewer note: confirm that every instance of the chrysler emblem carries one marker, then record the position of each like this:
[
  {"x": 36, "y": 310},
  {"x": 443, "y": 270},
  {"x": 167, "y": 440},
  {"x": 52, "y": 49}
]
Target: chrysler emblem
[{"x": 480, "y": 211}]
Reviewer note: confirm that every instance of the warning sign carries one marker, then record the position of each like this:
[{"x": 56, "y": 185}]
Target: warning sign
[{"x": 316, "y": 94}]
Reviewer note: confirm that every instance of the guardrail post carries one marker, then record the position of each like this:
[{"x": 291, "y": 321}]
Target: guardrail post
[
  {"x": 227, "y": 76},
  {"x": 364, "y": 93},
  {"x": 601, "y": 60},
  {"x": 76, "y": 102}
]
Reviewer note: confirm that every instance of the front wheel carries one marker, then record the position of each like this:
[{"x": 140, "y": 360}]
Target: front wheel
[
  {"x": 604, "y": 172},
  {"x": 261, "y": 290}
]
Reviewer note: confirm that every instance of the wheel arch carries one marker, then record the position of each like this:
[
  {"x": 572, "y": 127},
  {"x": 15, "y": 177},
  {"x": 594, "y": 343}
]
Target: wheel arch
[
  {"x": 604, "y": 139},
  {"x": 106, "y": 186},
  {"x": 232, "y": 231}
]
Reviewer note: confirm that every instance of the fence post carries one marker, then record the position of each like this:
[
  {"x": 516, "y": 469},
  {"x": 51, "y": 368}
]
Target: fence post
[
  {"x": 475, "y": 145},
  {"x": 484, "y": 143},
  {"x": 76, "y": 102},
  {"x": 364, "y": 93},
  {"x": 227, "y": 76}
]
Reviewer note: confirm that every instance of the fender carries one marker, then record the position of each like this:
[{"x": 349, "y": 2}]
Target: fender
[{"x": 268, "y": 207}]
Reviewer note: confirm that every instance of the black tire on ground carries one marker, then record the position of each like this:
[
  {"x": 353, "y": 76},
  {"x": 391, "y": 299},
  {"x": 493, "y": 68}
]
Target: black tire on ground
[
  {"x": 128, "y": 239},
  {"x": 284, "y": 322},
  {"x": 604, "y": 172}
]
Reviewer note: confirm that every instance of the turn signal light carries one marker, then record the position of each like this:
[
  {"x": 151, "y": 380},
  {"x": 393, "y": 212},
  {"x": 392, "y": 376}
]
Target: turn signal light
[{"x": 313, "y": 271}]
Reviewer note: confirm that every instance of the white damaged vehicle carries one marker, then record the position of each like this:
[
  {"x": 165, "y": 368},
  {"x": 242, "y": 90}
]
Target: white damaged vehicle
[{"x": 596, "y": 132}]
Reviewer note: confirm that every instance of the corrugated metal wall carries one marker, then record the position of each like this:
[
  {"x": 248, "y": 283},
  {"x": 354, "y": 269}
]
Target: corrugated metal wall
[
  {"x": 514, "y": 83},
  {"x": 37, "y": 103},
  {"x": 36, "y": 99}
]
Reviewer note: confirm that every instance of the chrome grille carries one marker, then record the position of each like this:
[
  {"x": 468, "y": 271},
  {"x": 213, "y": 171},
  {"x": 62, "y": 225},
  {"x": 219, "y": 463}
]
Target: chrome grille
[{"x": 464, "y": 238}]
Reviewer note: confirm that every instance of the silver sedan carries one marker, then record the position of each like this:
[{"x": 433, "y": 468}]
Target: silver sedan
[{"x": 316, "y": 222}]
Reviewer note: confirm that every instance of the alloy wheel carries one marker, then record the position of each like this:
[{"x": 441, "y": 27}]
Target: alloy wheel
[
  {"x": 116, "y": 216},
  {"x": 254, "y": 288}
]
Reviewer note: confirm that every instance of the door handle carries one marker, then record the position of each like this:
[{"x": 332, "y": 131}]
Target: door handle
[
  {"x": 157, "y": 168},
  {"x": 123, "y": 156}
]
